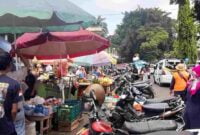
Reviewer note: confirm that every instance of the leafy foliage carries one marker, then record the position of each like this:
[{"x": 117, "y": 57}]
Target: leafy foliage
[
  {"x": 148, "y": 32},
  {"x": 186, "y": 45},
  {"x": 176, "y": 1},
  {"x": 152, "y": 37}
]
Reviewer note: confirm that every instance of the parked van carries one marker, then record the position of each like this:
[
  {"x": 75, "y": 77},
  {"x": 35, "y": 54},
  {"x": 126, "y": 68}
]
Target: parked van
[{"x": 163, "y": 69}]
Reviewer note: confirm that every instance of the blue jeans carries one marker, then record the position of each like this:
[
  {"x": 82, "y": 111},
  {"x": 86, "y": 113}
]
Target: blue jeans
[{"x": 20, "y": 123}]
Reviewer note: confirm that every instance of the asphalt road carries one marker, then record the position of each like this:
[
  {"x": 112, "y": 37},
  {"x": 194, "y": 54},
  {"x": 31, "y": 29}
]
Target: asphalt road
[{"x": 161, "y": 92}]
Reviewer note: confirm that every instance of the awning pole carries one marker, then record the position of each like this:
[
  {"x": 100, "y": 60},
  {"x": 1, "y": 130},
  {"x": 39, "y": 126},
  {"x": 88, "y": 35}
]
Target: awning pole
[{"x": 16, "y": 58}]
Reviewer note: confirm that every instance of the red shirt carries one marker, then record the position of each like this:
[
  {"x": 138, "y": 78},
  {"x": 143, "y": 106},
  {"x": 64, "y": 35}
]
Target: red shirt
[{"x": 62, "y": 70}]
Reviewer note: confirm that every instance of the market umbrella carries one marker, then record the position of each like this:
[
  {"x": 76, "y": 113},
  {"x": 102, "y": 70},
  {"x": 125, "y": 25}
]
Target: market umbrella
[
  {"x": 98, "y": 59},
  {"x": 58, "y": 45},
  {"x": 19, "y": 16},
  {"x": 4, "y": 45}
]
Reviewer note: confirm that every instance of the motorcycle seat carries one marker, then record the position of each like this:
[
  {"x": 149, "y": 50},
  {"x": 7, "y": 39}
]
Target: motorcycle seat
[
  {"x": 163, "y": 133},
  {"x": 150, "y": 126},
  {"x": 156, "y": 107},
  {"x": 170, "y": 133},
  {"x": 140, "y": 82},
  {"x": 158, "y": 100},
  {"x": 140, "y": 85}
]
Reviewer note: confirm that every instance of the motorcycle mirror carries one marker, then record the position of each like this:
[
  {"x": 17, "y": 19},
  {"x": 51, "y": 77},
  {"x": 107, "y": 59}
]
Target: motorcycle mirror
[{"x": 123, "y": 96}]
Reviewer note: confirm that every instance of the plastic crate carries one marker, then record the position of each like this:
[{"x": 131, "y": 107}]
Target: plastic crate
[{"x": 70, "y": 111}]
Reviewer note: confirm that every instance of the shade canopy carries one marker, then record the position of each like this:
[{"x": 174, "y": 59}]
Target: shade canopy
[
  {"x": 58, "y": 45},
  {"x": 98, "y": 59},
  {"x": 19, "y": 16}
]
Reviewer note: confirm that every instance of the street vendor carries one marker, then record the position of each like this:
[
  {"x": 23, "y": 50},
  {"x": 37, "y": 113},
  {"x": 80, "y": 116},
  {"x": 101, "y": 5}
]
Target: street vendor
[
  {"x": 62, "y": 68},
  {"x": 30, "y": 81},
  {"x": 97, "y": 72},
  {"x": 81, "y": 73},
  {"x": 34, "y": 70}
]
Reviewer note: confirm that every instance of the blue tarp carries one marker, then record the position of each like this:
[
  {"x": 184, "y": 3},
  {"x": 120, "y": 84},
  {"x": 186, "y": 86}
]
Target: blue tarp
[
  {"x": 4, "y": 45},
  {"x": 140, "y": 63}
]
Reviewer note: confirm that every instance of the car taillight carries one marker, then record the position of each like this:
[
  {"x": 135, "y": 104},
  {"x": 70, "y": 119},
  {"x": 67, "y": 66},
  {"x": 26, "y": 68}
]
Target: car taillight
[{"x": 163, "y": 72}]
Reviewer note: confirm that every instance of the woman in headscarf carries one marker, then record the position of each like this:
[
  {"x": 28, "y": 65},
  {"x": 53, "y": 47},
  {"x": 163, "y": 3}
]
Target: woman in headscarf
[{"x": 192, "y": 110}]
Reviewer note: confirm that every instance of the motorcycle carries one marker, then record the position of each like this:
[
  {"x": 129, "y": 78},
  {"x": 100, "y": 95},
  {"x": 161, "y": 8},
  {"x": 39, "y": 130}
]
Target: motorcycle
[
  {"x": 144, "y": 87},
  {"x": 96, "y": 125},
  {"x": 124, "y": 112}
]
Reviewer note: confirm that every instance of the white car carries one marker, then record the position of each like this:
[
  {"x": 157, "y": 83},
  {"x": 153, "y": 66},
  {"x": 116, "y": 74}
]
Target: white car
[{"x": 162, "y": 74}]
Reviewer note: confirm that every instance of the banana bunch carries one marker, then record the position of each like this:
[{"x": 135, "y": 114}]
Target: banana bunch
[
  {"x": 84, "y": 81},
  {"x": 105, "y": 81},
  {"x": 95, "y": 81}
]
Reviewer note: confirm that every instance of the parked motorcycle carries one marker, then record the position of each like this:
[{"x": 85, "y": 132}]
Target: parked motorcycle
[
  {"x": 96, "y": 125},
  {"x": 124, "y": 112}
]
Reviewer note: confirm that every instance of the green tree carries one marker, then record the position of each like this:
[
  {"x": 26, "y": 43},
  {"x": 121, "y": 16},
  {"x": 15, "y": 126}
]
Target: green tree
[
  {"x": 186, "y": 45},
  {"x": 142, "y": 29},
  {"x": 152, "y": 38},
  {"x": 176, "y": 1}
]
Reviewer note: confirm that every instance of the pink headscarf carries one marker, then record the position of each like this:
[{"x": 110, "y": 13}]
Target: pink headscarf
[{"x": 194, "y": 84}]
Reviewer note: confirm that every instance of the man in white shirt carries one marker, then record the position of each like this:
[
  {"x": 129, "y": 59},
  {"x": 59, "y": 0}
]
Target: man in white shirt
[{"x": 49, "y": 68}]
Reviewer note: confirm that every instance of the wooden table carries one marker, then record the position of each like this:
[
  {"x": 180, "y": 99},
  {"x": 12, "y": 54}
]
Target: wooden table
[{"x": 42, "y": 120}]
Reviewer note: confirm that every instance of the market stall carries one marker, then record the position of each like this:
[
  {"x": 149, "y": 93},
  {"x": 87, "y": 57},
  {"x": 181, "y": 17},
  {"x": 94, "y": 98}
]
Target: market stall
[{"x": 57, "y": 45}]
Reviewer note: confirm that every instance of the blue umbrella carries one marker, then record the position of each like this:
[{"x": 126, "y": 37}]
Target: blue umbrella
[{"x": 4, "y": 45}]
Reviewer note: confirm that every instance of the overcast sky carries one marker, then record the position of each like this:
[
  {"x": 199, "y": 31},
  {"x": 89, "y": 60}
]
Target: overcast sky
[{"x": 112, "y": 9}]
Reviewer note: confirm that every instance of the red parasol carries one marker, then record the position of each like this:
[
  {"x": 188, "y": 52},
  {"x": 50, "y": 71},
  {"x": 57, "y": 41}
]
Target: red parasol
[{"x": 58, "y": 45}]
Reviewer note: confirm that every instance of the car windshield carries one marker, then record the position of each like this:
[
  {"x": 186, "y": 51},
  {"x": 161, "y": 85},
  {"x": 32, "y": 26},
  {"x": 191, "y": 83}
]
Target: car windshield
[{"x": 172, "y": 64}]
